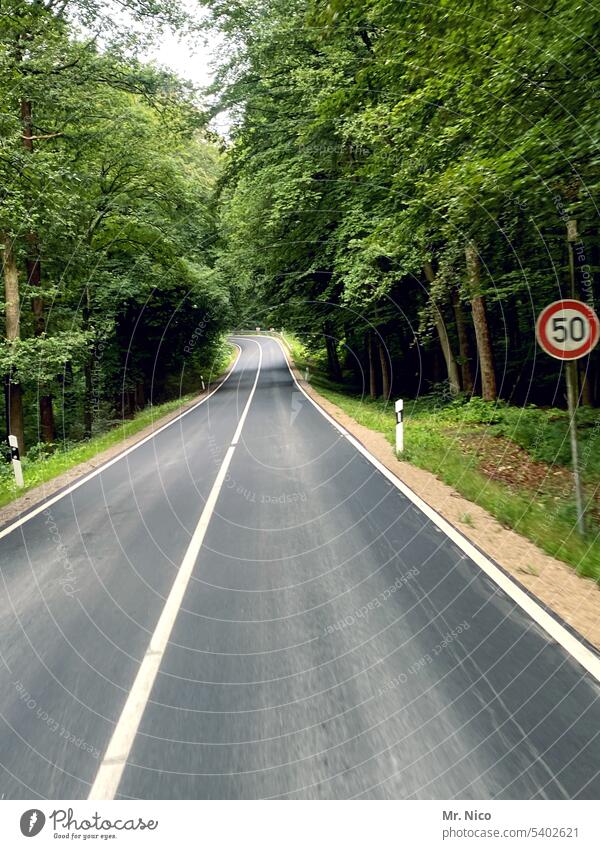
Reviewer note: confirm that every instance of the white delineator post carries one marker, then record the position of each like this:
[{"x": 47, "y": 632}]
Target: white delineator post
[
  {"x": 16, "y": 459},
  {"x": 399, "y": 407}
]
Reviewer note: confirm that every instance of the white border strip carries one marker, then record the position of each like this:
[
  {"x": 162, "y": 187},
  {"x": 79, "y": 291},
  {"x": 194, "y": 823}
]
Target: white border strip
[
  {"x": 63, "y": 493},
  {"x": 109, "y": 774},
  {"x": 587, "y": 658}
]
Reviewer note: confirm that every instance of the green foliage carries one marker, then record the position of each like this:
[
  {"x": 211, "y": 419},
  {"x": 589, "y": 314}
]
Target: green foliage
[
  {"x": 371, "y": 137},
  {"x": 106, "y": 183}
]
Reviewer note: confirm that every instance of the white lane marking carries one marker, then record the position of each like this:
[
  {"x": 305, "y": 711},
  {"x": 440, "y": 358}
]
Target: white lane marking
[
  {"x": 113, "y": 763},
  {"x": 45, "y": 504},
  {"x": 587, "y": 658}
]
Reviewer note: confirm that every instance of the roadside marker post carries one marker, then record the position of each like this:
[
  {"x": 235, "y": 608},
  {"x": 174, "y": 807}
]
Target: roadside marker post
[
  {"x": 568, "y": 330},
  {"x": 399, "y": 408},
  {"x": 15, "y": 457}
]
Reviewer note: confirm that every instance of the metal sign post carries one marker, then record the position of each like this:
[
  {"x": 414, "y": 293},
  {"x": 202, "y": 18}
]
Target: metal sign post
[
  {"x": 16, "y": 459},
  {"x": 568, "y": 330},
  {"x": 571, "y": 371}
]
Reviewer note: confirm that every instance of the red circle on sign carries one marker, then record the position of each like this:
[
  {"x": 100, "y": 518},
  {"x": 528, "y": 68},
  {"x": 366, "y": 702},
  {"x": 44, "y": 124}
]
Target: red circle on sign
[{"x": 587, "y": 314}]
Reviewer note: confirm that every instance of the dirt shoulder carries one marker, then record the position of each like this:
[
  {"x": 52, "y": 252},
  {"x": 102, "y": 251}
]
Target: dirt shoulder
[
  {"x": 575, "y": 599},
  {"x": 39, "y": 493}
]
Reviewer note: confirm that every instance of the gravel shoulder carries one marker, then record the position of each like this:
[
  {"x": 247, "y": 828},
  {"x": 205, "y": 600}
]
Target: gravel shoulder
[{"x": 575, "y": 599}]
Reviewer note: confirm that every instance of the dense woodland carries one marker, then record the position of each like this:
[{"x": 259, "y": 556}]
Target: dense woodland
[
  {"x": 397, "y": 188},
  {"x": 107, "y": 224},
  {"x": 400, "y": 182}
]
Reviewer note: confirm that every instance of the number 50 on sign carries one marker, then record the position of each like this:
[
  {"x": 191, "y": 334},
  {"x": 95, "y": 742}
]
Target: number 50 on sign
[{"x": 567, "y": 330}]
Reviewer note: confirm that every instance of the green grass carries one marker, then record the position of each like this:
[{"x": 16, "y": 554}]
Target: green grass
[
  {"x": 428, "y": 445},
  {"x": 40, "y": 469}
]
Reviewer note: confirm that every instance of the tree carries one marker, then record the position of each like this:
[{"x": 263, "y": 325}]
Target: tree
[
  {"x": 107, "y": 177},
  {"x": 369, "y": 137}
]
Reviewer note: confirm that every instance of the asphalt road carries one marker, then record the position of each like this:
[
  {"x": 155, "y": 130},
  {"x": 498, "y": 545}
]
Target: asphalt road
[{"x": 331, "y": 641}]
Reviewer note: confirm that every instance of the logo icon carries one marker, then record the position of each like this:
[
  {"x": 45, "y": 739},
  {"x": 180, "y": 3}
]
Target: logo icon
[{"x": 32, "y": 822}]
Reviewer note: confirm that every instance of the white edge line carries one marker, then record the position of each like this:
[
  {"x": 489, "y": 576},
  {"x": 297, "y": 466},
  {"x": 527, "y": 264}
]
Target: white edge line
[
  {"x": 63, "y": 493},
  {"x": 113, "y": 763},
  {"x": 558, "y": 632}
]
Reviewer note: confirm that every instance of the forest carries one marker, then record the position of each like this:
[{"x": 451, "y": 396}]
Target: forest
[
  {"x": 408, "y": 184},
  {"x": 107, "y": 222},
  {"x": 402, "y": 185}
]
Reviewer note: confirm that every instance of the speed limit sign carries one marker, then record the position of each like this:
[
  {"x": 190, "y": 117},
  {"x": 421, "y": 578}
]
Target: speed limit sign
[{"x": 567, "y": 330}]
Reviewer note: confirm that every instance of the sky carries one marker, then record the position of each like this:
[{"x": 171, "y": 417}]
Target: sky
[{"x": 192, "y": 58}]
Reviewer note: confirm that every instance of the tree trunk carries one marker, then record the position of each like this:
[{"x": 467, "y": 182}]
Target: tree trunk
[
  {"x": 128, "y": 403},
  {"x": 482, "y": 331},
  {"x": 333, "y": 362},
  {"x": 46, "y": 418},
  {"x": 140, "y": 395},
  {"x": 14, "y": 392},
  {"x": 34, "y": 278},
  {"x": 440, "y": 325},
  {"x": 385, "y": 369},
  {"x": 464, "y": 346},
  {"x": 586, "y": 384},
  {"x": 372, "y": 369},
  {"x": 34, "y": 274},
  {"x": 87, "y": 399},
  {"x": 14, "y": 412},
  {"x": 87, "y": 373}
]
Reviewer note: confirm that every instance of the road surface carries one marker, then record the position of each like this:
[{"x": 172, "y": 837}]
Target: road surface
[{"x": 329, "y": 641}]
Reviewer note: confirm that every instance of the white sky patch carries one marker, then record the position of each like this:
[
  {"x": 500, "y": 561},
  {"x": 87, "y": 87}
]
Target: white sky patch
[
  {"x": 193, "y": 57},
  {"x": 190, "y": 56}
]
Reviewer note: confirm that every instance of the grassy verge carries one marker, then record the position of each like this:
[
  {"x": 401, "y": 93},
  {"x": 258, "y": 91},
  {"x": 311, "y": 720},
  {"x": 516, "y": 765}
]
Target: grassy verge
[
  {"x": 430, "y": 437},
  {"x": 42, "y": 469}
]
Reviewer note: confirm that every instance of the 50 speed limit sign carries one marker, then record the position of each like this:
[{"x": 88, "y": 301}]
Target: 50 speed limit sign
[{"x": 567, "y": 330}]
